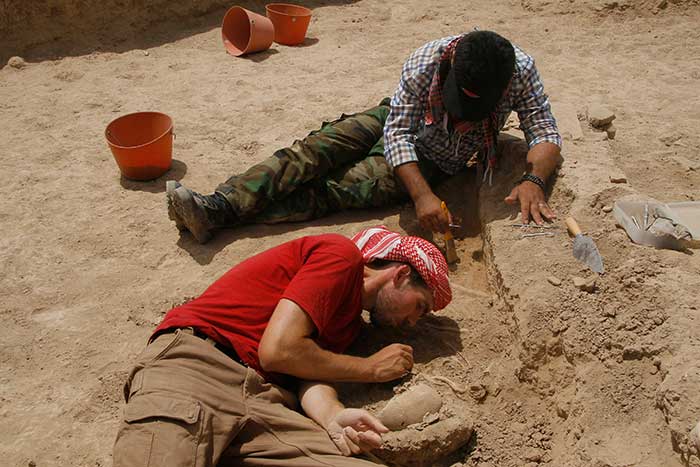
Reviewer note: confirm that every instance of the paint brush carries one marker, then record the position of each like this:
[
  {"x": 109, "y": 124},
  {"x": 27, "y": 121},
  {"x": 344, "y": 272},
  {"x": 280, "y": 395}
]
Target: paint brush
[{"x": 450, "y": 250}]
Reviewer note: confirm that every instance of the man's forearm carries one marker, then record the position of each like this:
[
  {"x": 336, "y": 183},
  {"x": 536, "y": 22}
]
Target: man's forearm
[
  {"x": 308, "y": 361},
  {"x": 413, "y": 180},
  {"x": 320, "y": 402},
  {"x": 542, "y": 159}
]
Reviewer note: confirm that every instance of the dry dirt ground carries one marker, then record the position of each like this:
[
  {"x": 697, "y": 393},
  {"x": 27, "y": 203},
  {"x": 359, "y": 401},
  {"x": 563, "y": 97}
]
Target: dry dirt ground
[{"x": 90, "y": 262}]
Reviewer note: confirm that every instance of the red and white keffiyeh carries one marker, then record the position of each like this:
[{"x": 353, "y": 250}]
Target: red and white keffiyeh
[{"x": 380, "y": 243}]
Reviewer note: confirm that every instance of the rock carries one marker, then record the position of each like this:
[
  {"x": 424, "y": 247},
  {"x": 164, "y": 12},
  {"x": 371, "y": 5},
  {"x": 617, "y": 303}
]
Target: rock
[
  {"x": 17, "y": 62},
  {"x": 618, "y": 177},
  {"x": 477, "y": 392},
  {"x": 554, "y": 281},
  {"x": 410, "y": 407},
  {"x": 607, "y": 209},
  {"x": 423, "y": 448},
  {"x": 585, "y": 285},
  {"x": 563, "y": 410},
  {"x": 600, "y": 116},
  {"x": 610, "y": 310},
  {"x": 611, "y": 131},
  {"x": 532, "y": 455},
  {"x": 632, "y": 353}
]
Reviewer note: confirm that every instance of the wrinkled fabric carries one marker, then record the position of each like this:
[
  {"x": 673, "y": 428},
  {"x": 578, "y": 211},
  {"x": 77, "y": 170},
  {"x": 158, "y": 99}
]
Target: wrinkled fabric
[{"x": 340, "y": 166}]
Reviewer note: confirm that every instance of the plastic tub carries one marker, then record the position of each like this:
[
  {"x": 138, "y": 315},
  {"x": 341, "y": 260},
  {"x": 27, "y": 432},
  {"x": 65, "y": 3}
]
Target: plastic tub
[
  {"x": 142, "y": 144},
  {"x": 290, "y": 21},
  {"x": 245, "y": 32}
]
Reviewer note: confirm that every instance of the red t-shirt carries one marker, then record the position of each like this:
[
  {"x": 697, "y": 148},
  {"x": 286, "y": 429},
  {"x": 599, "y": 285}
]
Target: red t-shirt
[{"x": 322, "y": 274}]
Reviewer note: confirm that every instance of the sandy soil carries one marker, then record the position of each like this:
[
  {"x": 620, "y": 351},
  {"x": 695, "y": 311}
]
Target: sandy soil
[{"x": 90, "y": 262}]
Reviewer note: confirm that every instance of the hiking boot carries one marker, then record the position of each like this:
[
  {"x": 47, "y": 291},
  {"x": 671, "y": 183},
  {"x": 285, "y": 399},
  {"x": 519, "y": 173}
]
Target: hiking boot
[
  {"x": 170, "y": 187},
  {"x": 197, "y": 213}
]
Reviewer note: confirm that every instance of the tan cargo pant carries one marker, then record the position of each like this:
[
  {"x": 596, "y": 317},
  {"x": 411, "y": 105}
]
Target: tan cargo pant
[{"x": 188, "y": 404}]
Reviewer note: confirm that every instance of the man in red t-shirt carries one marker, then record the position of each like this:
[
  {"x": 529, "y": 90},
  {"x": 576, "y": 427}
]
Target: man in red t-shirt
[{"x": 214, "y": 385}]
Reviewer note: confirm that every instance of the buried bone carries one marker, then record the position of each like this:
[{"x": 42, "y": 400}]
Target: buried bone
[
  {"x": 413, "y": 448},
  {"x": 410, "y": 407}
]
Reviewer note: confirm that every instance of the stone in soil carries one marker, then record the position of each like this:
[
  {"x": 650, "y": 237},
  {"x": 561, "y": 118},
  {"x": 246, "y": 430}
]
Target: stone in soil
[
  {"x": 585, "y": 285},
  {"x": 532, "y": 455},
  {"x": 611, "y": 131},
  {"x": 477, "y": 392},
  {"x": 17, "y": 62},
  {"x": 554, "y": 281},
  {"x": 600, "y": 116},
  {"x": 618, "y": 177}
]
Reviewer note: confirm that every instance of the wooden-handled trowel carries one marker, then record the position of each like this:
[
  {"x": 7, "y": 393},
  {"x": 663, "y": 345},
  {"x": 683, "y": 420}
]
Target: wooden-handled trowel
[
  {"x": 450, "y": 250},
  {"x": 584, "y": 247}
]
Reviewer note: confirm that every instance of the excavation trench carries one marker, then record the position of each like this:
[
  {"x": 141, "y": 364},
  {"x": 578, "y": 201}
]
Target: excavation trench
[{"x": 467, "y": 352}]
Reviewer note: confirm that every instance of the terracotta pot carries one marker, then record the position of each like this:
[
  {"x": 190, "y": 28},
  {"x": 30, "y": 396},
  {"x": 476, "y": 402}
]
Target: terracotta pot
[
  {"x": 142, "y": 144},
  {"x": 291, "y": 22},
  {"x": 246, "y": 32}
]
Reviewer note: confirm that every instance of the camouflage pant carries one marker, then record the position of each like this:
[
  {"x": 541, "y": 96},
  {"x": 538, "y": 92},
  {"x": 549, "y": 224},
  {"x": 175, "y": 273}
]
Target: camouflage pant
[{"x": 340, "y": 166}]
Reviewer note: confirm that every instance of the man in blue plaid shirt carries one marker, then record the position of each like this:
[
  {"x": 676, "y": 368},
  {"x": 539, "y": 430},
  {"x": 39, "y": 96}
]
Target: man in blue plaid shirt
[{"x": 453, "y": 99}]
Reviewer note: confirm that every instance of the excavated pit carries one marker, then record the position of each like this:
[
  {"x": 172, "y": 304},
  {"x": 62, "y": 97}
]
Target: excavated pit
[{"x": 464, "y": 352}]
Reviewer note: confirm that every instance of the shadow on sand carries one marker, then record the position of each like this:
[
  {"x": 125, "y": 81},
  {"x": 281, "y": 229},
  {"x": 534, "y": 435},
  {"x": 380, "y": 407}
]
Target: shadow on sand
[{"x": 135, "y": 27}]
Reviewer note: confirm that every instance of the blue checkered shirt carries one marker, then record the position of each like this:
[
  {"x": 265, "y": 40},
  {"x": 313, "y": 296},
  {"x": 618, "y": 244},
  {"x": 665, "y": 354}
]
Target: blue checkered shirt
[{"x": 407, "y": 137}]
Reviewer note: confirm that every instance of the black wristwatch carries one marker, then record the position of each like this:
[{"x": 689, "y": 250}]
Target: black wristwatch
[{"x": 528, "y": 177}]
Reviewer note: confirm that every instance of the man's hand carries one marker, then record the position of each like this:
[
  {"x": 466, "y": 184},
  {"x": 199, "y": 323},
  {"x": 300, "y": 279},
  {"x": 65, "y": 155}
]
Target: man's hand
[
  {"x": 532, "y": 202},
  {"x": 428, "y": 209},
  {"x": 392, "y": 362},
  {"x": 430, "y": 214},
  {"x": 355, "y": 431}
]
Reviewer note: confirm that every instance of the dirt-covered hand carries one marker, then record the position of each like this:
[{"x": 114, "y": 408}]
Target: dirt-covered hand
[
  {"x": 430, "y": 214},
  {"x": 392, "y": 362},
  {"x": 355, "y": 431},
  {"x": 532, "y": 203}
]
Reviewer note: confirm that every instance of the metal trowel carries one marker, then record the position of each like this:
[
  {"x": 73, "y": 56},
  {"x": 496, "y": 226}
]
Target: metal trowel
[{"x": 584, "y": 247}]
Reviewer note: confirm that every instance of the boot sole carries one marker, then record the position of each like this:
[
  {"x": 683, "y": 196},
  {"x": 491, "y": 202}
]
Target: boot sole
[
  {"x": 190, "y": 214},
  {"x": 170, "y": 187}
]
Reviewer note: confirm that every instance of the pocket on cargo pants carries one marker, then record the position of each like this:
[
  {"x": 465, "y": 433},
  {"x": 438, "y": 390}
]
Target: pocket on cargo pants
[{"x": 160, "y": 430}]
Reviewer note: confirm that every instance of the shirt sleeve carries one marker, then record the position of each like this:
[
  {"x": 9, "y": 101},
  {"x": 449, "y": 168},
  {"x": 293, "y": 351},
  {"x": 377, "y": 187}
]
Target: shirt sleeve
[
  {"x": 408, "y": 107},
  {"x": 532, "y": 105},
  {"x": 324, "y": 284}
]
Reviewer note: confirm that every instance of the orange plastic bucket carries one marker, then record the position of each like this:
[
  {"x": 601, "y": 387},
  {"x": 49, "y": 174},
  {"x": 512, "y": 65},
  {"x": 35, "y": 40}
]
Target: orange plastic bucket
[
  {"x": 142, "y": 144},
  {"x": 244, "y": 31},
  {"x": 291, "y": 22}
]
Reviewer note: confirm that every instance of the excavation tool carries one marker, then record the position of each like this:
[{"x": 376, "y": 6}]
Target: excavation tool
[
  {"x": 584, "y": 247},
  {"x": 450, "y": 250}
]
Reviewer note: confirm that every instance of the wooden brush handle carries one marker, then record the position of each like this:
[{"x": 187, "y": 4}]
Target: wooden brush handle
[
  {"x": 448, "y": 232},
  {"x": 572, "y": 225}
]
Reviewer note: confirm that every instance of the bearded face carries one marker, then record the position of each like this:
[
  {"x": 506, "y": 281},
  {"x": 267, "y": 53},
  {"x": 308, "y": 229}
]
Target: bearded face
[
  {"x": 400, "y": 306},
  {"x": 385, "y": 308}
]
